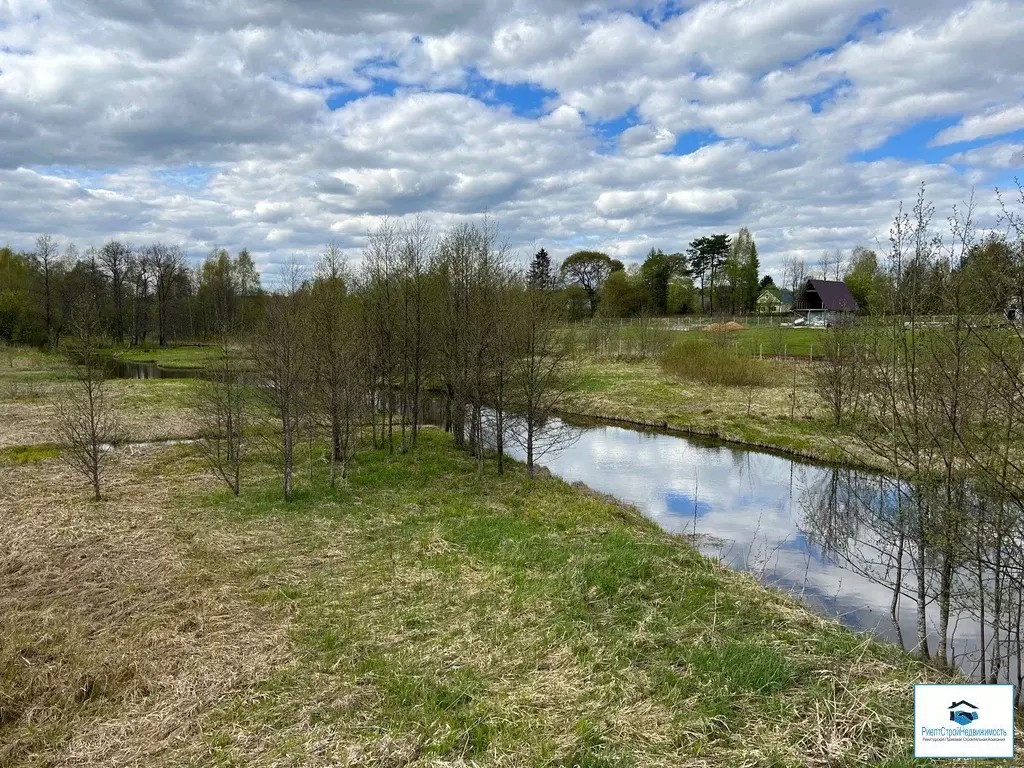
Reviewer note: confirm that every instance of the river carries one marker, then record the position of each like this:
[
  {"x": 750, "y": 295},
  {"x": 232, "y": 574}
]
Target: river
[{"x": 811, "y": 530}]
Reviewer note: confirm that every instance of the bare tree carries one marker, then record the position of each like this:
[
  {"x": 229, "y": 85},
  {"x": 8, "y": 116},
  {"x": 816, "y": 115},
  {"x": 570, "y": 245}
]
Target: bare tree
[
  {"x": 115, "y": 258},
  {"x": 381, "y": 289},
  {"x": 280, "y": 353},
  {"x": 166, "y": 263},
  {"x": 46, "y": 257},
  {"x": 336, "y": 334},
  {"x": 141, "y": 277},
  {"x": 797, "y": 274},
  {"x": 86, "y": 417},
  {"x": 222, "y": 409},
  {"x": 836, "y": 375},
  {"x": 543, "y": 377},
  {"x": 417, "y": 247}
]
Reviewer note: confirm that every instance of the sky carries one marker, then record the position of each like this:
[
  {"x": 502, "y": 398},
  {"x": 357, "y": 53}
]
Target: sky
[{"x": 281, "y": 125}]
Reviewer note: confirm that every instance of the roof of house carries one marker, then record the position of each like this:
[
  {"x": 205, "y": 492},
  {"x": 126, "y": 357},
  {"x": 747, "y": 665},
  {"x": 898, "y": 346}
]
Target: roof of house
[
  {"x": 834, "y": 294},
  {"x": 783, "y": 295}
]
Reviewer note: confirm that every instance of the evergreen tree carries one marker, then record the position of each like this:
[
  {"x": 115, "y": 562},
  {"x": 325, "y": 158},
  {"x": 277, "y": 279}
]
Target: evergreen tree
[
  {"x": 539, "y": 275},
  {"x": 657, "y": 272},
  {"x": 750, "y": 272},
  {"x": 707, "y": 255}
]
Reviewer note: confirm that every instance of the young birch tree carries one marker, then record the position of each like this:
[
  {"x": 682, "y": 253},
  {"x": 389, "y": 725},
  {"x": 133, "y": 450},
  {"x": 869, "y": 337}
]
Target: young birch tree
[
  {"x": 336, "y": 335},
  {"x": 222, "y": 414},
  {"x": 542, "y": 375},
  {"x": 280, "y": 351},
  {"x": 86, "y": 418}
]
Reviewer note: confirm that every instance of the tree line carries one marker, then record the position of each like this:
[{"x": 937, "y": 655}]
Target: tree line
[
  {"x": 142, "y": 294},
  {"x": 714, "y": 273},
  {"x": 347, "y": 354}
]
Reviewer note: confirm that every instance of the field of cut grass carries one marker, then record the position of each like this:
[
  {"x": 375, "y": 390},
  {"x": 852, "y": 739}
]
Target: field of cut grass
[{"x": 419, "y": 615}]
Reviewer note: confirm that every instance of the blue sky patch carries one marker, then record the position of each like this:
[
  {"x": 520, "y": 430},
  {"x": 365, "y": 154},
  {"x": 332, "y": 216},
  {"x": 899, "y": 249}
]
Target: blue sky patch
[
  {"x": 912, "y": 143},
  {"x": 188, "y": 176},
  {"x": 90, "y": 178},
  {"x": 827, "y": 96},
  {"x": 524, "y": 99},
  {"x": 681, "y": 505},
  {"x": 692, "y": 141}
]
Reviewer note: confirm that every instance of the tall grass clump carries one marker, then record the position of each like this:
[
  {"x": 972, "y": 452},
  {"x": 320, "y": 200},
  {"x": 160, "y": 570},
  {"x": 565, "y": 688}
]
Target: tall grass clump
[{"x": 701, "y": 361}]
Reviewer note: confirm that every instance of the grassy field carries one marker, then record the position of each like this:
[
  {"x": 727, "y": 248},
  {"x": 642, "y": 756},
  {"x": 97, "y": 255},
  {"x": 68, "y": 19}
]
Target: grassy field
[
  {"x": 29, "y": 383},
  {"x": 798, "y": 342},
  {"x": 752, "y": 340},
  {"x": 193, "y": 356},
  {"x": 642, "y": 391},
  {"x": 418, "y": 615}
]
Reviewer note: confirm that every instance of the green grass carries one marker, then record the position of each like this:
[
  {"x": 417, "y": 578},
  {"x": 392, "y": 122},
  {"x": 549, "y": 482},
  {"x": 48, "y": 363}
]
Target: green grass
[
  {"x": 28, "y": 454},
  {"x": 416, "y": 615},
  {"x": 771, "y": 340},
  {"x": 763, "y": 416},
  {"x": 461, "y": 618},
  {"x": 172, "y": 356},
  {"x": 797, "y": 342},
  {"x": 705, "y": 362}
]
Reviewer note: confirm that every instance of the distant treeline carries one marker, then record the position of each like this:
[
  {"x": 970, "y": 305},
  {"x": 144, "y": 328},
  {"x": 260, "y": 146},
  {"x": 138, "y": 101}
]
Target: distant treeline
[
  {"x": 140, "y": 294},
  {"x": 149, "y": 294}
]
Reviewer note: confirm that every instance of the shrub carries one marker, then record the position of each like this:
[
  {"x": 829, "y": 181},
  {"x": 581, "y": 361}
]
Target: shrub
[{"x": 699, "y": 360}]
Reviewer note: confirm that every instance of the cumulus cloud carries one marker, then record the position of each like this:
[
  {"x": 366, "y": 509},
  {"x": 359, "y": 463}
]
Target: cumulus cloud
[
  {"x": 995, "y": 122},
  {"x": 1000, "y": 155},
  {"x": 281, "y": 124},
  {"x": 644, "y": 140}
]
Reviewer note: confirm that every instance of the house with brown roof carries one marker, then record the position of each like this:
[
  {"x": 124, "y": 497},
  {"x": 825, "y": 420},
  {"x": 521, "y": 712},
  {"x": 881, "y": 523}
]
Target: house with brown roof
[{"x": 824, "y": 303}]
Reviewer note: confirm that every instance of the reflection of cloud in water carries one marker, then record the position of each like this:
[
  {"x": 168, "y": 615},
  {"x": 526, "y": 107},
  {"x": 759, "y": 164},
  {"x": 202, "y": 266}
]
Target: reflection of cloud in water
[{"x": 750, "y": 514}]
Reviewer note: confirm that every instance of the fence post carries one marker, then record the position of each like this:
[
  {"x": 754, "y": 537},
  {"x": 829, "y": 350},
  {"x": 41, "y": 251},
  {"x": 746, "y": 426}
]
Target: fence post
[
  {"x": 760, "y": 351},
  {"x": 785, "y": 350},
  {"x": 812, "y": 353}
]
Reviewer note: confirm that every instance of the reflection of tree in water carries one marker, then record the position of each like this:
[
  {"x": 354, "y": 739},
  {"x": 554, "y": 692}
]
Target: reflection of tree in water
[
  {"x": 969, "y": 573},
  {"x": 858, "y": 520},
  {"x": 550, "y": 437}
]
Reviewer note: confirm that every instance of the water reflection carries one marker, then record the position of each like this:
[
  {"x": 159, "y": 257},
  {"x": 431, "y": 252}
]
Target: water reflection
[
  {"x": 126, "y": 369},
  {"x": 824, "y": 534},
  {"x": 835, "y": 537}
]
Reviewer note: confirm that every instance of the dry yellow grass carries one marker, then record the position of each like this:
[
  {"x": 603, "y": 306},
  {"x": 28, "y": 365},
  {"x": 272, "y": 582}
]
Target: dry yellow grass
[
  {"x": 116, "y": 628},
  {"x": 30, "y": 382}
]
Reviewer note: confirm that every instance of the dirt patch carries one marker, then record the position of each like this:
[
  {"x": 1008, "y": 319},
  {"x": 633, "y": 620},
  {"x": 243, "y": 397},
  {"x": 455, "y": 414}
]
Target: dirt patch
[{"x": 732, "y": 325}]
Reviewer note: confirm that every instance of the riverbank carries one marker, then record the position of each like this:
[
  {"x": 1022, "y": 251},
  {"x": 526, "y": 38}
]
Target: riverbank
[
  {"x": 185, "y": 357},
  {"x": 418, "y": 613},
  {"x": 156, "y": 409},
  {"x": 641, "y": 393}
]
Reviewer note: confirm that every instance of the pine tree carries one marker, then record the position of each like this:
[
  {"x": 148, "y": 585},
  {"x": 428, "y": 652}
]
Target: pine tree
[
  {"x": 750, "y": 272},
  {"x": 539, "y": 275}
]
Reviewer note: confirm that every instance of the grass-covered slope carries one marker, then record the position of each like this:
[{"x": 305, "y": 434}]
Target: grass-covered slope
[
  {"x": 767, "y": 416},
  {"x": 419, "y": 615}
]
